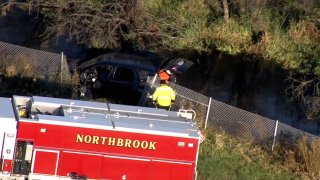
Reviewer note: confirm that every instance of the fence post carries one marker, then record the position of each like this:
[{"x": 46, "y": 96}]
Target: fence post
[
  {"x": 154, "y": 79},
  {"x": 207, "y": 115},
  {"x": 145, "y": 93},
  {"x": 61, "y": 67},
  {"x": 274, "y": 135}
]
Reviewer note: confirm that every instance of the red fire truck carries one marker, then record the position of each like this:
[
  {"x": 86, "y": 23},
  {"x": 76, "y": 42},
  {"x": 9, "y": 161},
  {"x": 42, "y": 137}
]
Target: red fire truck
[{"x": 52, "y": 138}]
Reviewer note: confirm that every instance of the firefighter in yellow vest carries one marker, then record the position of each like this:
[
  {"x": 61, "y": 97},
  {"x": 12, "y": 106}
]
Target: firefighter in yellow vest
[{"x": 164, "y": 95}]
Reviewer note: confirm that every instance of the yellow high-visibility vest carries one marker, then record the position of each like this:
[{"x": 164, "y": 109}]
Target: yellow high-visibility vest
[{"x": 164, "y": 95}]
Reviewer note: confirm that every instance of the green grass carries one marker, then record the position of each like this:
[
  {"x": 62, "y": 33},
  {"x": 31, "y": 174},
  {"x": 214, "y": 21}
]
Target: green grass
[
  {"x": 184, "y": 23},
  {"x": 223, "y": 157}
]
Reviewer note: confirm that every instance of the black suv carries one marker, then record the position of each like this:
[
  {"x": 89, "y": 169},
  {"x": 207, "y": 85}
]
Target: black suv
[{"x": 121, "y": 77}]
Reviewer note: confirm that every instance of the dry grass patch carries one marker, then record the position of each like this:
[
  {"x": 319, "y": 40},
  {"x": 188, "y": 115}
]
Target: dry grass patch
[
  {"x": 302, "y": 157},
  {"x": 227, "y": 157}
]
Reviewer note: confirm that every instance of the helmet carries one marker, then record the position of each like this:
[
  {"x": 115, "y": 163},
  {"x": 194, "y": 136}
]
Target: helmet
[{"x": 164, "y": 75}]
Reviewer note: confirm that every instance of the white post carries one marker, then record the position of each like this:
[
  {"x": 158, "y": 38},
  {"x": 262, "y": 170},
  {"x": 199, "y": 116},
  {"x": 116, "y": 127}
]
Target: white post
[
  {"x": 207, "y": 115},
  {"x": 154, "y": 79},
  {"x": 61, "y": 67},
  {"x": 274, "y": 135}
]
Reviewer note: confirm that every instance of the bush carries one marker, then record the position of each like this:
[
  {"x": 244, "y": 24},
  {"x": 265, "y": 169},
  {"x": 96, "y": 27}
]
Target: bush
[
  {"x": 232, "y": 37},
  {"x": 182, "y": 24},
  {"x": 302, "y": 157}
]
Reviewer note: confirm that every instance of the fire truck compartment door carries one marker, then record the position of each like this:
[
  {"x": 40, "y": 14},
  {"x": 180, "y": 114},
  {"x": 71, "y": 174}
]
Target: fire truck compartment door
[
  {"x": 83, "y": 164},
  {"x": 162, "y": 169},
  {"x": 8, "y": 145},
  {"x": 45, "y": 161},
  {"x": 119, "y": 167}
]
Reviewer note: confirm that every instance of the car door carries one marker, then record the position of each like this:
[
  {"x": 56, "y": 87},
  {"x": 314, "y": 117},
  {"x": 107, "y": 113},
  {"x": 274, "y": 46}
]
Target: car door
[
  {"x": 124, "y": 76},
  {"x": 124, "y": 79},
  {"x": 124, "y": 85},
  {"x": 178, "y": 66},
  {"x": 105, "y": 73}
]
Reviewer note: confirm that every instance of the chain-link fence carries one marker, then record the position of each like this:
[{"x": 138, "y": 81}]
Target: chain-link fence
[
  {"x": 235, "y": 121},
  {"x": 25, "y": 62}
]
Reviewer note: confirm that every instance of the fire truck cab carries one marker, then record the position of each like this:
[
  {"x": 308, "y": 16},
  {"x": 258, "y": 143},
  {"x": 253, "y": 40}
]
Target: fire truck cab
[{"x": 52, "y": 138}]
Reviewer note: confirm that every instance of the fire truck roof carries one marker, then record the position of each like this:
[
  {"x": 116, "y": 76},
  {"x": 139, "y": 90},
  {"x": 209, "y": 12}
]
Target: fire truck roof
[
  {"x": 98, "y": 115},
  {"x": 7, "y": 116},
  {"x": 6, "y": 109}
]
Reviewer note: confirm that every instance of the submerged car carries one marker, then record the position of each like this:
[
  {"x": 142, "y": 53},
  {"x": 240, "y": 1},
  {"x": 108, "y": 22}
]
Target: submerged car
[{"x": 121, "y": 77}]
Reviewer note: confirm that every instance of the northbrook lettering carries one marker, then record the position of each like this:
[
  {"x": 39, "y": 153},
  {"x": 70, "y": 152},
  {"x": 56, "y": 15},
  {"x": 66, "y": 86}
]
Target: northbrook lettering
[{"x": 110, "y": 141}]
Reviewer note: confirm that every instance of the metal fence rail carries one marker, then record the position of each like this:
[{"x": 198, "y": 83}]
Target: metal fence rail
[
  {"x": 233, "y": 120},
  {"x": 240, "y": 123},
  {"x": 26, "y": 62}
]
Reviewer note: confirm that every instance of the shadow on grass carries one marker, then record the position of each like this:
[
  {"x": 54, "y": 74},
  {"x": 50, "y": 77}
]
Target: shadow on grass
[{"x": 29, "y": 87}]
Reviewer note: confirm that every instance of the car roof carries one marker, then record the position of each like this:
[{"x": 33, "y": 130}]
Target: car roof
[{"x": 127, "y": 60}]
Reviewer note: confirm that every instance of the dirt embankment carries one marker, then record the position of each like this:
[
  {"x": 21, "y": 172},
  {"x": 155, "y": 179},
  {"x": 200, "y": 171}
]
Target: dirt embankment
[{"x": 250, "y": 84}]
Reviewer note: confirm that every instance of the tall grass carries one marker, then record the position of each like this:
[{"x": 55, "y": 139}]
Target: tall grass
[
  {"x": 224, "y": 157},
  {"x": 199, "y": 25},
  {"x": 297, "y": 49},
  {"x": 232, "y": 37},
  {"x": 301, "y": 157},
  {"x": 191, "y": 25},
  {"x": 19, "y": 76},
  {"x": 183, "y": 23}
]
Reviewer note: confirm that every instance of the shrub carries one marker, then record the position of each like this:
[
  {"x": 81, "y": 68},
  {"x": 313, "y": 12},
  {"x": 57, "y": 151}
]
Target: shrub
[
  {"x": 12, "y": 65},
  {"x": 232, "y": 37},
  {"x": 302, "y": 157},
  {"x": 183, "y": 24},
  {"x": 297, "y": 49}
]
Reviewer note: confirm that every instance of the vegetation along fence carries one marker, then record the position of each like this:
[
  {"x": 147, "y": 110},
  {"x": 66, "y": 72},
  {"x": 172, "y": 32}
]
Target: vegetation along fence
[
  {"x": 25, "y": 62},
  {"x": 235, "y": 121}
]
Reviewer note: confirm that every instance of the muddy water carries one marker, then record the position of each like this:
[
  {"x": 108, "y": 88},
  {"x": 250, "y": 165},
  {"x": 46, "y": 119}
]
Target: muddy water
[{"x": 248, "y": 83}]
